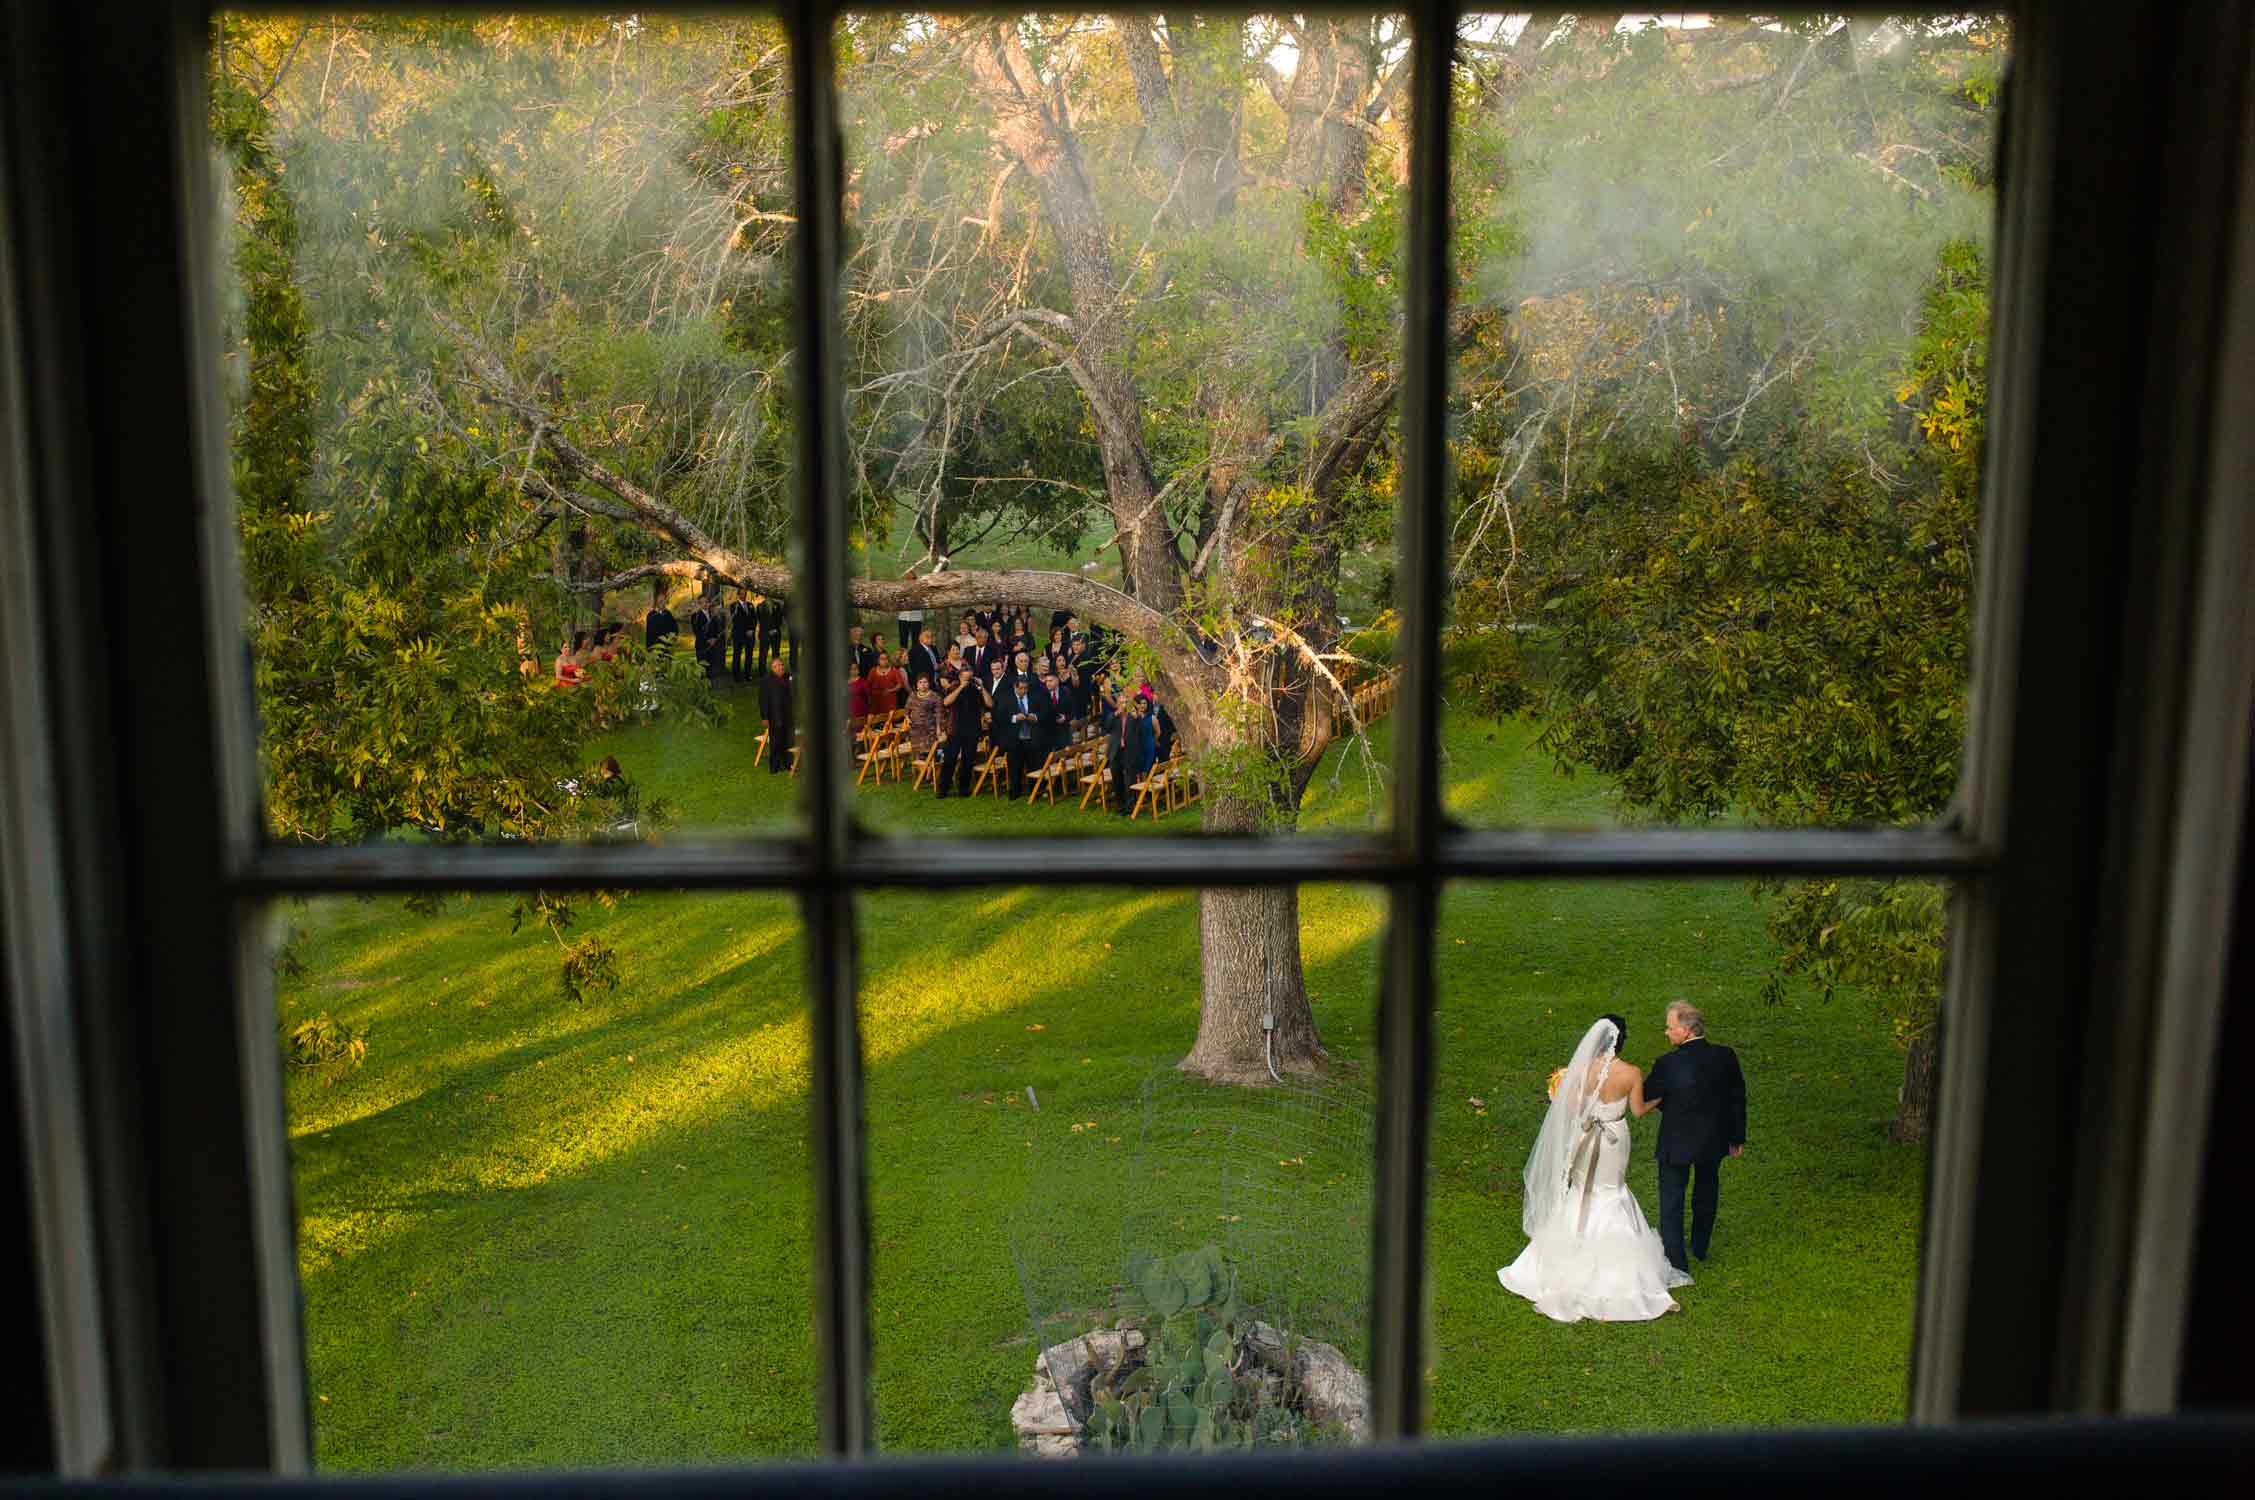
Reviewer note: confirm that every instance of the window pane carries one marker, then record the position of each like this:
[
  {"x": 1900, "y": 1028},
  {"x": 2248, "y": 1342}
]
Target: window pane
[
  {"x": 1123, "y": 327},
  {"x": 507, "y": 347},
  {"x": 1722, "y": 307},
  {"x": 552, "y": 1183},
  {"x": 1823, "y": 995},
  {"x": 1045, "y": 1180}
]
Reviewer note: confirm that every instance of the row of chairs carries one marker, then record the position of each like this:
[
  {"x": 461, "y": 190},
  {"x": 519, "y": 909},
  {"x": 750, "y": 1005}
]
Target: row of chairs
[
  {"x": 1374, "y": 699},
  {"x": 881, "y": 749}
]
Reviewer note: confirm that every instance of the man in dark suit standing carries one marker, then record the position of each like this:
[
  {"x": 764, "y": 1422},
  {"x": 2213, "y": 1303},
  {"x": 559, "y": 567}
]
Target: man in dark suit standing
[
  {"x": 1021, "y": 713},
  {"x": 659, "y": 624},
  {"x": 740, "y": 627},
  {"x": 1702, "y": 1099},
  {"x": 923, "y": 660},
  {"x": 771, "y": 622}
]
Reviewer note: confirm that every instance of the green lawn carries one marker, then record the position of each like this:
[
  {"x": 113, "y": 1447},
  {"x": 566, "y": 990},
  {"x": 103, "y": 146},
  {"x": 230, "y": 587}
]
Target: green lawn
[{"x": 535, "y": 1232}]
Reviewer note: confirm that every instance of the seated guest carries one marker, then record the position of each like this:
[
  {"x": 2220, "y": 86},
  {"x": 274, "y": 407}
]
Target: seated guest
[
  {"x": 887, "y": 687},
  {"x": 925, "y": 711},
  {"x": 857, "y": 699}
]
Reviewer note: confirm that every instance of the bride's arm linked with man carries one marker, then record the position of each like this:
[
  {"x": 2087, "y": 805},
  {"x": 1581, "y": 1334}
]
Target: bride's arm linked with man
[{"x": 1590, "y": 1253}]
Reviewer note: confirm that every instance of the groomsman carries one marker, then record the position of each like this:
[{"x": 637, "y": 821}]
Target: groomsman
[
  {"x": 705, "y": 627},
  {"x": 772, "y": 623},
  {"x": 741, "y": 625},
  {"x": 1702, "y": 1099},
  {"x": 659, "y": 625}
]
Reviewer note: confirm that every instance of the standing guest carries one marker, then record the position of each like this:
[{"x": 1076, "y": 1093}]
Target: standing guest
[
  {"x": 775, "y": 708},
  {"x": 925, "y": 712},
  {"x": 887, "y": 687},
  {"x": 770, "y": 623},
  {"x": 700, "y": 628},
  {"x": 1060, "y": 716},
  {"x": 923, "y": 658},
  {"x": 911, "y": 623},
  {"x": 968, "y": 632},
  {"x": 862, "y": 658},
  {"x": 1124, "y": 744},
  {"x": 659, "y": 625},
  {"x": 952, "y": 663},
  {"x": 742, "y": 625},
  {"x": 857, "y": 700},
  {"x": 1020, "y": 714},
  {"x": 1075, "y": 691},
  {"x": 997, "y": 681},
  {"x": 1165, "y": 725},
  {"x": 1022, "y": 667},
  {"x": 982, "y": 650},
  {"x": 967, "y": 705}
]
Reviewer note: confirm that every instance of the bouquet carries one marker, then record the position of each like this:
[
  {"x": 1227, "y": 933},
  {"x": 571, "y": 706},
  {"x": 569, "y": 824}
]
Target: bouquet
[{"x": 1556, "y": 1075}]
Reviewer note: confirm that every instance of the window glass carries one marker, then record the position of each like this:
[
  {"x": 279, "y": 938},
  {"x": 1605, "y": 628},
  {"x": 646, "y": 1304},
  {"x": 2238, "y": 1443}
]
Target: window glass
[
  {"x": 551, "y": 1179},
  {"x": 1719, "y": 363},
  {"x": 1122, "y": 317},
  {"x": 1099, "y": 1222},
  {"x": 507, "y": 347},
  {"x": 1551, "y": 1297}
]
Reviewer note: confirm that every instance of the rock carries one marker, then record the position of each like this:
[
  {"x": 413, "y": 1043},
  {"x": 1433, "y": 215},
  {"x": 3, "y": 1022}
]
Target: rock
[
  {"x": 1075, "y": 1364},
  {"x": 1334, "y": 1390},
  {"x": 1044, "y": 1429},
  {"x": 1267, "y": 1345}
]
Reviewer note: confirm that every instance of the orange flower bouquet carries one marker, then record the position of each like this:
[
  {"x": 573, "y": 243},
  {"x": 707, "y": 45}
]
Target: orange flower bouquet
[{"x": 1556, "y": 1074}]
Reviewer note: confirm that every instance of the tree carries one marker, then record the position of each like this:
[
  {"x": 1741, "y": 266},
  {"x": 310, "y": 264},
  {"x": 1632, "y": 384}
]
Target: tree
[
  {"x": 1177, "y": 311},
  {"x": 1728, "y": 470}
]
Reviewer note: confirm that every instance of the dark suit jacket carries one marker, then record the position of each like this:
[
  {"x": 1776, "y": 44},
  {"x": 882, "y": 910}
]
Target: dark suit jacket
[
  {"x": 1036, "y": 730},
  {"x": 1702, "y": 1098},
  {"x": 659, "y": 626},
  {"x": 740, "y": 619},
  {"x": 772, "y": 618},
  {"x": 923, "y": 661}
]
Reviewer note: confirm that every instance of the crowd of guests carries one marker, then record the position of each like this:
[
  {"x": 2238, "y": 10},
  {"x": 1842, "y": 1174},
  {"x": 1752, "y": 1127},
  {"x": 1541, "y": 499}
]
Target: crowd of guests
[{"x": 996, "y": 677}]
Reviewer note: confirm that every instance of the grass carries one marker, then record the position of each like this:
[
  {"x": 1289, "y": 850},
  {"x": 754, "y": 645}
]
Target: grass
[{"x": 534, "y": 1232}]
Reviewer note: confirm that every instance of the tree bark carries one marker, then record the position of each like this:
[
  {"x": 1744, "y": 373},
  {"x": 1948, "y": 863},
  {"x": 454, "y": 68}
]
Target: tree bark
[
  {"x": 1249, "y": 969},
  {"x": 1916, "y": 1112}
]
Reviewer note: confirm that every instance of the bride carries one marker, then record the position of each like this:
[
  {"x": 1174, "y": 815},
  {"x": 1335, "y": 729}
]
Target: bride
[{"x": 1590, "y": 1252}]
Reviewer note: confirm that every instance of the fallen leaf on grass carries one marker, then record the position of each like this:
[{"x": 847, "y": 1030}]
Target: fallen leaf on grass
[{"x": 1037, "y": 1026}]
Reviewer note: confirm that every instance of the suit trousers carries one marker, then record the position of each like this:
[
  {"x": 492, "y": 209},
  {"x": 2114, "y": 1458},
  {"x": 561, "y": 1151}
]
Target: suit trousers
[
  {"x": 1025, "y": 755},
  {"x": 1706, "y": 1187},
  {"x": 740, "y": 658},
  {"x": 957, "y": 752}
]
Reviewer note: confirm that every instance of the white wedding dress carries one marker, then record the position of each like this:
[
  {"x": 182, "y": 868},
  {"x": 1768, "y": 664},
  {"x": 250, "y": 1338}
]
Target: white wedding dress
[{"x": 1591, "y": 1253}]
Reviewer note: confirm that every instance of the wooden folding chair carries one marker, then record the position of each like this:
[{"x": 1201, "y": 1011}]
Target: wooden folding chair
[
  {"x": 1096, "y": 781},
  {"x": 928, "y": 766},
  {"x": 759, "y": 746},
  {"x": 1150, "y": 792},
  {"x": 866, "y": 739},
  {"x": 994, "y": 771},
  {"x": 1185, "y": 784}
]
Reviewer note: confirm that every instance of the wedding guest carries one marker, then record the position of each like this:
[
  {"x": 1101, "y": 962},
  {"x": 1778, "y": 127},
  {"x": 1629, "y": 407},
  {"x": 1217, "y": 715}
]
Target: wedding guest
[
  {"x": 953, "y": 663},
  {"x": 982, "y": 651},
  {"x": 857, "y": 699},
  {"x": 967, "y": 703},
  {"x": 1165, "y": 724},
  {"x": 1020, "y": 713},
  {"x": 923, "y": 658},
  {"x": 659, "y": 625},
  {"x": 1129, "y": 745},
  {"x": 775, "y": 708},
  {"x": 925, "y": 711},
  {"x": 887, "y": 687},
  {"x": 911, "y": 623},
  {"x": 863, "y": 659},
  {"x": 742, "y": 625}
]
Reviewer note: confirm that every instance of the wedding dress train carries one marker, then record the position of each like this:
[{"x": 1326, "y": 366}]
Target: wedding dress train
[{"x": 1593, "y": 1255}]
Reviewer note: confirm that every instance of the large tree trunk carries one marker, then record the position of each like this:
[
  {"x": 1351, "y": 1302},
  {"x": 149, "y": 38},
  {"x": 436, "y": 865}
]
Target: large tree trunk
[
  {"x": 1916, "y": 1111},
  {"x": 1249, "y": 972}
]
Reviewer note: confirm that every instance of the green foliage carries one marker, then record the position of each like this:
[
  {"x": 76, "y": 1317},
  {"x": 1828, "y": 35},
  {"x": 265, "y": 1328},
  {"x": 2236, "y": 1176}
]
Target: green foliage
[
  {"x": 324, "y": 1042},
  {"x": 1196, "y": 1387}
]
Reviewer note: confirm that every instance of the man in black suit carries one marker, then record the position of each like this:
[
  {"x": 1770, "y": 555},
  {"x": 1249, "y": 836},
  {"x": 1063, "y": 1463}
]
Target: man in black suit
[
  {"x": 704, "y": 627},
  {"x": 659, "y": 625},
  {"x": 1021, "y": 716},
  {"x": 923, "y": 660},
  {"x": 1702, "y": 1099},
  {"x": 771, "y": 622},
  {"x": 741, "y": 624},
  {"x": 860, "y": 658}
]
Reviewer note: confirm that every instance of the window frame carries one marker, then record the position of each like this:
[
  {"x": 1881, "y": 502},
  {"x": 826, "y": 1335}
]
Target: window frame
[{"x": 152, "y": 1090}]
